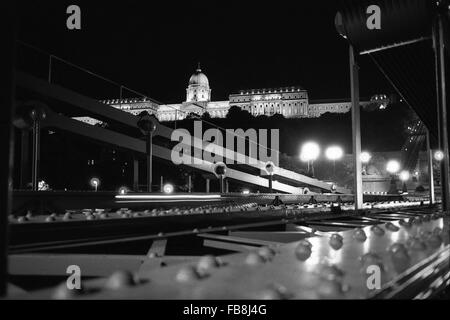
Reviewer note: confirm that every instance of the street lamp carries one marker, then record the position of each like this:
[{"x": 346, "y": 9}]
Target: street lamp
[
  {"x": 123, "y": 190},
  {"x": 310, "y": 151},
  {"x": 168, "y": 188},
  {"x": 147, "y": 125},
  {"x": 220, "y": 170},
  {"x": 95, "y": 182},
  {"x": 334, "y": 153},
  {"x": 404, "y": 176},
  {"x": 270, "y": 167},
  {"x": 439, "y": 155},
  {"x": 365, "y": 158},
  {"x": 393, "y": 166}
]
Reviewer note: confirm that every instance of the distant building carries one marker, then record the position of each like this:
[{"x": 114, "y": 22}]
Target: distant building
[{"x": 291, "y": 102}]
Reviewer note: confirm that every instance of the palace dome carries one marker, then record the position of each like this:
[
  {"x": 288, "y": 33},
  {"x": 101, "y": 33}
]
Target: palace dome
[{"x": 199, "y": 79}]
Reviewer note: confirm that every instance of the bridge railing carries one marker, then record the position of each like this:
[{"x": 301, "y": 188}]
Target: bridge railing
[{"x": 59, "y": 71}]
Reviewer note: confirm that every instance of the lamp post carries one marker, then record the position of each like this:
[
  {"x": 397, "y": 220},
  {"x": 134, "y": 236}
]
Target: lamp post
[
  {"x": 123, "y": 190},
  {"x": 393, "y": 166},
  {"x": 220, "y": 170},
  {"x": 404, "y": 176},
  {"x": 334, "y": 153},
  {"x": 438, "y": 155},
  {"x": 147, "y": 126},
  {"x": 310, "y": 151},
  {"x": 95, "y": 182},
  {"x": 168, "y": 188},
  {"x": 270, "y": 167},
  {"x": 365, "y": 159}
]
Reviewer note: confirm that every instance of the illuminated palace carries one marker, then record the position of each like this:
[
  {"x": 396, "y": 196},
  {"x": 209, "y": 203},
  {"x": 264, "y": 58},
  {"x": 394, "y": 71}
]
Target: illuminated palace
[{"x": 291, "y": 102}]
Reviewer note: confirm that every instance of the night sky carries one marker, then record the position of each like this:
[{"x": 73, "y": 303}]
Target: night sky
[{"x": 154, "y": 48}]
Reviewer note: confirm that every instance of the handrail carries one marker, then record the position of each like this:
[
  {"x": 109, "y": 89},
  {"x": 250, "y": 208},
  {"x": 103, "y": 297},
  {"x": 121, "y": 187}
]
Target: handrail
[
  {"x": 52, "y": 56},
  {"x": 49, "y": 78}
]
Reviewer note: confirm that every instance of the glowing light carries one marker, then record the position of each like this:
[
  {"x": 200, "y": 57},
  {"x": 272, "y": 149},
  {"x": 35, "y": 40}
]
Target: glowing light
[
  {"x": 95, "y": 182},
  {"x": 404, "y": 175},
  {"x": 43, "y": 186},
  {"x": 245, "y": 191},
  {"x": 393, "y": 166},
  {"x": 439, "y": 155},
  {"x": 334, "y": 153},
  {"x": 365, "y": 157},
  {"x": 141, "y": 198},
  {"x": 310, "y": 151},
  {"x": 168, "y": 188},
  {"x": 123, "y": 190}
]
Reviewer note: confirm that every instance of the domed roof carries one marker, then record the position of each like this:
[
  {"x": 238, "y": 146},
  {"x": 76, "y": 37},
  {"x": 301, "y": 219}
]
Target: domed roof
[{"x": 199, "y": 78}]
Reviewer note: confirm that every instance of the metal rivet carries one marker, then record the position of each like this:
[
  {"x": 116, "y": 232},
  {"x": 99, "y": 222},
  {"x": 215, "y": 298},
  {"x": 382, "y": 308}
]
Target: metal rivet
[
  {"x": 274, "y": 292},
  {"x": 50, "y": 219},
  {"x": 267, "y": 253},
  {"x": 67, "y": 216},
  {"x": 336, "y": 241},
  {"x": 391, "y": 227},
  {"x": 136, "y": 215},
  {"x": 359, "y": 235},
  {"x": 187, "y": 274},
  {"x": 405, "y": 223},
  {"x": 90, "y": 217},
  {"x": 400, "y": 257},
  {"x": 435, "y": 241},
  {"x": 153, "y": 255},
  {"x": 62, "y": 292},
  {"x": 254, "y": 259},
  {"x": 104, "y": 215},
  {"x": 303, "y": 250},
  {"x": 208, "y": 263},
  {"x": 120, "y": 280},
  {"x": 377, "y": 230}
]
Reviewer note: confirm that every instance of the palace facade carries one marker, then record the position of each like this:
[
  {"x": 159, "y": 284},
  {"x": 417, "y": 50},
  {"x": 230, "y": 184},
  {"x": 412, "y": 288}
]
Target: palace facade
[{"x": 291, "y": 102}]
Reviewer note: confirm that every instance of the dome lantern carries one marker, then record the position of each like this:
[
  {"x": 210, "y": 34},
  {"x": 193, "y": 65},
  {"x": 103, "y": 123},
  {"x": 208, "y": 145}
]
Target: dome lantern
[{"x": 198, "y": 89}]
